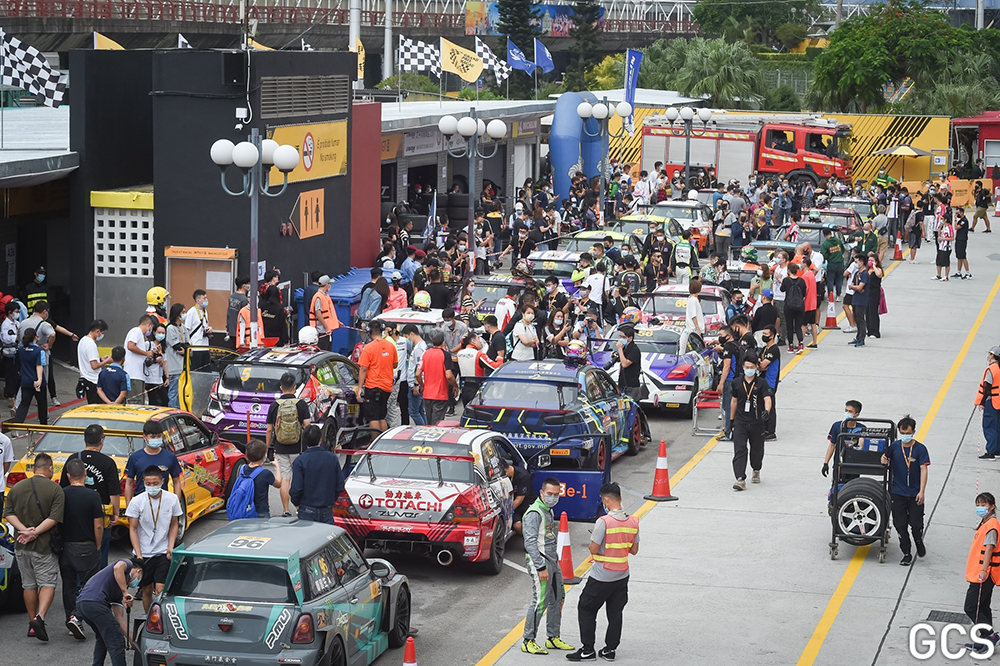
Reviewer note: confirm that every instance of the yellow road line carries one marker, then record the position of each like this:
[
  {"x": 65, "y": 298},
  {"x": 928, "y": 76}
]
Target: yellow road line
[{"x": 812, "y": 648}]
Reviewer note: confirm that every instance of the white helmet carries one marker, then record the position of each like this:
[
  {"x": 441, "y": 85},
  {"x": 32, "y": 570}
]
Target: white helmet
[
  {"x": 308, "y": 335},
  {"x": 693, "y": 195}
]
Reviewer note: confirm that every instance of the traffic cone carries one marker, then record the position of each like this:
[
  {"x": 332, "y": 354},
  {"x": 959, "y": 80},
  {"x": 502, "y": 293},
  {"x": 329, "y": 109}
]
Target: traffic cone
[
  {"x": 565, "y": 552},
  {"x": 410, "y": 656},
  {"x": 898, "y": 254},
  {"x": 661, "y": 482},
  {"x": 831, "y": 313}
]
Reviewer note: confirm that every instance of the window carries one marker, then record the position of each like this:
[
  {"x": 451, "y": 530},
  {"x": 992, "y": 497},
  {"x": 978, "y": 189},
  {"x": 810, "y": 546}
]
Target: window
[
  {"x": 205, "y": 578},
  {"x": 607, "y": 386},
  {"x": 491, "y": 460},
  {"x": 594, "y": 392},
  {"x": 695, "y": 343},
  {"x": 321, "y": 575},
  {"x": 781, "y": 140},
  {"x": 194, "y": 437},
  {"x": 347, "y": 561},
  {"x": 123, "y": 242},
  {"x": 337, "y": 373},
  {"x": 820, "y": 143}
]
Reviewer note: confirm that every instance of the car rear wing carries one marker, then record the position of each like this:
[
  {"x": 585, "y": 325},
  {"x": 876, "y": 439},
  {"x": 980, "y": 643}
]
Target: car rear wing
[
  {"x": 437, "y": 457},
  {"x": 33, "y": 428}
]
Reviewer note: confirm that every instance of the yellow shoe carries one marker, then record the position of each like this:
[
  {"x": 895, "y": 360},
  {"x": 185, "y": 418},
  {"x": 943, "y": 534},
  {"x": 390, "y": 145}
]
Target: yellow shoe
[
  {"x": 558, "y": 644},
  {"x": 531, "y": 647}
]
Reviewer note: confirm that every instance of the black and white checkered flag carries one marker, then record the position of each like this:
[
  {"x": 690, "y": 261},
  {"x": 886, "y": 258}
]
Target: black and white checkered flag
[
  {"x": 417, "y": 56},
  {"x": 490, "y": 61},
  {"x": 22, "y": 66}
]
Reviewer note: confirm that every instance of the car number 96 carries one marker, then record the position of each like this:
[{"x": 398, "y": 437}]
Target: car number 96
[{"x": 249, "y": 542}]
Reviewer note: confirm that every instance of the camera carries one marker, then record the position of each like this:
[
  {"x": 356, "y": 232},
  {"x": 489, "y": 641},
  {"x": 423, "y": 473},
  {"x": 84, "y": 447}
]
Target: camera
[
  {"x": 154, "y": 359},
  {"x": 615, "y": 358}
]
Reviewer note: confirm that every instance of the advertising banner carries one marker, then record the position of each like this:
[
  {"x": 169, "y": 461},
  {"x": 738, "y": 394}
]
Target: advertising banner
[{"x": 322, "y": 150}]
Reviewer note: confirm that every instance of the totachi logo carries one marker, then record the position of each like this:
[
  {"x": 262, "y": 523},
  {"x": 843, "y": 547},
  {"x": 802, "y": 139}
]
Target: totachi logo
[
  {"x": 308, "y": 151},
  {"x": 365, "y": 501}
]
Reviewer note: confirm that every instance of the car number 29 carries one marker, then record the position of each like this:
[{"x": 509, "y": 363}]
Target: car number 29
[{"x": 249, "y": 542}]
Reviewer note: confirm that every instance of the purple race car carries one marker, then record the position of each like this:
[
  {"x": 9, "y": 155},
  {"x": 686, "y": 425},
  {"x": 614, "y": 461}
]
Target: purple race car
[
  {"x": 676, "y": 364},
  {"x": 248, "y": 385}
]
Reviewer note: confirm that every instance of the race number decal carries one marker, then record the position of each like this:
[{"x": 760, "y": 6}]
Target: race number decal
[{"x": 249, "y": 542}]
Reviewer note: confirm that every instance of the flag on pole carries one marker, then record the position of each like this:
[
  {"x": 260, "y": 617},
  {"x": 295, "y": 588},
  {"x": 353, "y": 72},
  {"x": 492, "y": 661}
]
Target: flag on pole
[
  {"x": 103, "y": 43},
  {"x": 358, "y": 48},
  {"x": 257, "y": 46},
  {"x": 516, "y": 59},
  {"x": 182, "y": 43},
  {"x": 460, "y": 61},
  {"x": 306, "y": 47},
  {"x": 491, "y": 62},
  {"x": 633, "y": 60},
  {"x": 543, "y": 58},
  {"x": 417, "y": 56},
  {"x": 22, "y": 66}
]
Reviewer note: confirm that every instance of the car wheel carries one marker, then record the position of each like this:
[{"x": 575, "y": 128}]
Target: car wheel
[
  {"x": 330, "y": 428},
  {"x": 687, "y": 411},
  {"x": 860, "y": 514},
  {"x": 494, "y": 565},
  {"x": 635, "y": 439},
  {"x": 401, "y": 627},
  {"x": 335, "y": 656},
  {"x": 231, "y": 481}
]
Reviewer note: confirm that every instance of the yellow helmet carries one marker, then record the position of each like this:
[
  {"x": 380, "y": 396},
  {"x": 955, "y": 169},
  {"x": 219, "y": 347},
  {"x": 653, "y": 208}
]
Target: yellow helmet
[{"x": 157, "y": 296}]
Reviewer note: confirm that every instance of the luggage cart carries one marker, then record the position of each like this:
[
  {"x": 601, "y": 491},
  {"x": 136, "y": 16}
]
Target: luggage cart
[
  {"x": 860, "y": 498},
  {"x": 710, "y": 401}
]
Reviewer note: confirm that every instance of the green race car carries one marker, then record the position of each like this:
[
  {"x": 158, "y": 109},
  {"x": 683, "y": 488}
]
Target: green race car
[{"x": 276, "y": 591}]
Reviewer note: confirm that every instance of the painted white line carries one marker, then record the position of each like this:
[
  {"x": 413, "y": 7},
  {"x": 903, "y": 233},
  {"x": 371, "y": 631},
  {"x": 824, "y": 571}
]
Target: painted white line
[{"x": 518, "y": 567}]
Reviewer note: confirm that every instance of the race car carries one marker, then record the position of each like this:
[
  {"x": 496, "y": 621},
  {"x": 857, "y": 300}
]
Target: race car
[
  {"x": 743, "y": 270},
  {"x": 424, "y": 320},
  {"x": 638, "y": 225},
  {"x": 583, "y": 241},
  {"x": 491, "y": 288},
  {"x": 692, "y": 215},
  {"x": 676, "y": 364},
  {"x": 558, "y": 263},
  {"x": 209, "y": 464},
  {"x": 861, "y": 205},
  {"x": 434, "y": 491},
  {"x": 275, "y": 591},
  {"x": 847, "y": 219},
  {"x": 247, "y": 384},
  {"x": 668, "y": 305},
  {"x": 564, "y": 415}
]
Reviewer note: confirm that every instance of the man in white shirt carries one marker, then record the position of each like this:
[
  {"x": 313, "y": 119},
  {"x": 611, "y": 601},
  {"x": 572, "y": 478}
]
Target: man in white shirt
[
  {"x": 779, "y": 271},
  {"x": 137, "y": 350},
  {"x": 505, "y": 307},
  {"x": 196, "y": 320},
  {"x": 152, "y": 526},
  {"x": 90, "y": 360},
  {"x": 6, "y": 460}
]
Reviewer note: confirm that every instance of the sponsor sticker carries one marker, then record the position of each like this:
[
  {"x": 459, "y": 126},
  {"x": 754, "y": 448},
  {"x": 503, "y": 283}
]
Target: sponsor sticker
[
  {"x": 558, "y": 452},
  {"x": 248, "y": 542},
  {"x": 226, "y": 608}
]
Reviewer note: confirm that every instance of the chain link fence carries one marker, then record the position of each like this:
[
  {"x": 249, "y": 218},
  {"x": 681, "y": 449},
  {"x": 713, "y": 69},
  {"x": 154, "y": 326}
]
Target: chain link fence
[{"x": 798, "y": 79}]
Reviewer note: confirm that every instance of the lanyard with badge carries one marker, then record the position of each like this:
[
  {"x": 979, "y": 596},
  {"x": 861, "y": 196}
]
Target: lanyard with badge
[
  {"x": 748, "y": 387},
  {"x": 159, "y": 505},
  {"x": 907, "y": 458}
]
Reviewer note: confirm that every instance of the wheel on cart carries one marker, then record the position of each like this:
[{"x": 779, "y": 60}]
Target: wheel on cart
[
  {"x": 861, "y": 512},
  {"x": 833, "y": 552},
  {"x": 881, "y": 555}
]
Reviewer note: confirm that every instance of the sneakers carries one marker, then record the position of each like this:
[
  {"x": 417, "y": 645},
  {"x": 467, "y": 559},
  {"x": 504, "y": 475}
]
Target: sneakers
[
  {"x": 286, "y": 515},
  {"x": 944, "y": 279},
  {"x": 755, "y": 477},
  {"x": 987, "y": 456},
  {"x": 55, "y": 402},
  {"x": 851, "y": 329},
  {"x": 936, "y": 277},
  {"x": 921, "y": 549},
  {"x": 853, "y": 342},
  {"x": 607, "y": 654},
  {"x": 75, "y": 628},
  {"x": 741, "y": 484},
  {"x": 958, "y": 276},
  {"x": 907, "y": 560},
  {"x": 557, "y": 643},
  {"x": 860, "y": 344},
  {"x": 812, "y": 345},
  {"x": 38, "y": 624},
  {"x": 531, "y": 647},
  {"x": 582, "y": 655},
  {"x": 801, "y": 349},
  {"x": 770, "y": 437},
  {"x": 791, "y": 349},
  {"x": 967, "y": 276},
  {"x": 978, "y": 648}
]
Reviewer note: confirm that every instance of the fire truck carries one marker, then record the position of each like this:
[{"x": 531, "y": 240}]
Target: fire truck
[{"x": 736, "y": 145}]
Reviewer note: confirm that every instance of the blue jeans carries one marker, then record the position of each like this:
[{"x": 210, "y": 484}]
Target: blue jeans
[
  {"x": 319, "y": 514},
  {"x": 834, "y": 278},
  {"x": 727, "y": 400},
  {"x": 108, "y": 637},
  {"x": 991, "y": 428},
  {"x": 172, "y": 398},
  {"x": 416, "y": 409}
]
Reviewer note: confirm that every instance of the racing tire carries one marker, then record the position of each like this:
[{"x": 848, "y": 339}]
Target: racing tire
[
  {"x": 231, "y": 481},
  {"x": 329, "y": 440},
  {"x": 336, "y": 655},
  {"x": 182, "y": 522},
  {"x": 494, "y": 565},
  {"x": 401, "y": 626},
  {"x": 803, "y": 175},
  {"x": 861, "y": 514},
  {"x": 635, "y": 438},
  {"x": 687, "y": 411}
]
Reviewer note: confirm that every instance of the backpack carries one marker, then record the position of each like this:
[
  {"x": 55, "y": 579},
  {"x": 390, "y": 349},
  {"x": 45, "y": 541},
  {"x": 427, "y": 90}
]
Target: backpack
[
  {"x": 911, "y": 222},
  {"x": 240, "y": 503},
  {"x": 287, "y": 427},
  {"x": 794, "y": 297}
]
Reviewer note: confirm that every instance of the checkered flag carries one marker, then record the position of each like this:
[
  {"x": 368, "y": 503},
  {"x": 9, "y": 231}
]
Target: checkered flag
[
  {"x": 417, "y": 56},
  {"x": 490, "y": 61},
  {"x": 22, "y": 66}
]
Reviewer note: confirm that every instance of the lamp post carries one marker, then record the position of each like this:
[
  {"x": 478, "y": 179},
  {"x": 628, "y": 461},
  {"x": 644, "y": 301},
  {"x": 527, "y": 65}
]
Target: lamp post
[
  {"x": 472, "y": 128},
  {"x": 687, "y": 115},
  {"x": 254, "y": 158},
  {"x": 601, "y": 112}
]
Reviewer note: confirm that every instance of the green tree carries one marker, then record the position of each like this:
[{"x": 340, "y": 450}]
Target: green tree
[
  {"x": 518, "y": 20},
  {"x": 791, "y": 34},
  {"x": 607, "y": 74},
  {"x": 712, "y": 15},
  {"x": 966, "y": 88},
  {"x": 782, "y": 98},
  {"x": 408, "y": 81},
  {"x": 586, "y": 35},
  {"x": 728, "y": 73}
]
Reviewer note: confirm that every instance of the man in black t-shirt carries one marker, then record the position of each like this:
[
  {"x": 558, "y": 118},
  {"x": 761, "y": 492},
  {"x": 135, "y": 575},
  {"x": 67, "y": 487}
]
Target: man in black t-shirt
[
  {"x": 631, "y": 363},
  {"x": 749, "y": 410},
  {"x": 767, "y": 314},
  {"x": 102, "y": 476},
  {"x": 524, "y": 491},
  {"x": 498, "y": 345},
  {"x": 286, "y": 453},
  {"x": 82, "y": 530}
]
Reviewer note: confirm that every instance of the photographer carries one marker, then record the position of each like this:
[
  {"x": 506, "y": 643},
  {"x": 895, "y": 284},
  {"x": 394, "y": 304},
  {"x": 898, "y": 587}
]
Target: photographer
[
  {"x": 154, "y": 368},
  {"x": 631, "y": 363},
  {"x": 175, "y": 346}
]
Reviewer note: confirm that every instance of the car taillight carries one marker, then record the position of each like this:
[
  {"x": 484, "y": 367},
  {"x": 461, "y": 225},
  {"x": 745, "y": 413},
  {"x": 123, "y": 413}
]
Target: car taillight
[
  {"x": 564, "y": 418},
  {"x": 466, "y": 507},
  {"x": 680, "y": 371},
  {"x": 214, "y": 395},
  {"x": 121, "y": 483},
  {"x": 154, "y": 621},
  {"x": 14, "y": 477},
  {"x": 344, "y": 506},
  {"x": 304, "y": 631}
]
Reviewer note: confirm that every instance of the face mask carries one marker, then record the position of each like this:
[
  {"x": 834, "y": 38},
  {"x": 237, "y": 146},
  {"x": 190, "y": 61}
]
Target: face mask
[
  {"x": 550, "y": 288},
  {"x": 871, "y": 264},
  {"x": 153, "y": 491},
  {"x": 749, "y": 372},
  {"x": 759, "y": 273},
  {"x": 204, "y": 304},
  {"x": 100, "y": 337},
  {"x": 155, "y": 443},
  {"x": 550, "y": 500},
  {"x": 133, "y": 584},
  {"x": 906, "y": 439},
  {"x": 529, "y": 317},
  {"x": 982, "y": 511},
  {"x": 766, "y": 338},
  {"x": 462, "y": 248},
  {"x": 848, "y": 416},
  {"x": 557, "y": 322},
  {"x": 160, "y": 337},
  {"x": 41, "y": 278}
]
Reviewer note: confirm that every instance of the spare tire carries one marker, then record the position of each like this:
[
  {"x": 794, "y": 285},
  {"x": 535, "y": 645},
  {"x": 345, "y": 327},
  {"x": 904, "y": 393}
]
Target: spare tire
[
  {"x": 862, "y": 512},
  {"x": 458, "y": 200}
]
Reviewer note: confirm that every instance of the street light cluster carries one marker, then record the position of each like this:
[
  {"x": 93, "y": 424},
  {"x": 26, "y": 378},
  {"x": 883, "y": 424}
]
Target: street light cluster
[
  {"x": 602, "y": 110},
  {"x": 467, "y": 126},
  {"x": 600, "y": 113},
  {"x": 245, "y": 155}
]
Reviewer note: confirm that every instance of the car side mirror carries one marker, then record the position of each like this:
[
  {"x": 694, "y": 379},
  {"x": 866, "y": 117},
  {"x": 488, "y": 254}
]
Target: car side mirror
[{"x": 380, "y": 569}]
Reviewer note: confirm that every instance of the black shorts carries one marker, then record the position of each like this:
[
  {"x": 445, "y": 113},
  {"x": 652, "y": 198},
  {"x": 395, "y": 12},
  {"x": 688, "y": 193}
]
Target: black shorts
[
  {"x": 154, "y": 570},
  {"x": 960, "y": 248},
  {"x": 810, "y": 317},
  {"x": 943, "y": 258},
  {"x": 848, "y": 297},
  {"x": 376, "y": 404}
]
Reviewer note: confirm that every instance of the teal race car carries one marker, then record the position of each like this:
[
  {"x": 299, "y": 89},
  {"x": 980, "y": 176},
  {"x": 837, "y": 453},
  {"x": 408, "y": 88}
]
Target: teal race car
[{"x": 276, "y": 591}]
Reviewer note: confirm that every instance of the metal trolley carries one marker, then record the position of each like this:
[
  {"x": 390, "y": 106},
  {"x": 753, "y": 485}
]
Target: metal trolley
[{"x": 860, "y": 492}]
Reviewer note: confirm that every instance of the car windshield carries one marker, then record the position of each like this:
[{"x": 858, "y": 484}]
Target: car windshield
[
  {"x": 225, "y": 580},
  {"x": 57, "y": 442},
  {"x": 526, "y": 394},
  {"x": 840, "y": 219},
  {"x": 423, "y": 469},
  {"x": 676, "y": 303},
  {"x": 655, "y": 341},
  {"x": 559, "y": 268},
  {"x": 843, "y": 146},
  {"x": 633, "y": 227},
  {"x": 582, "y": 244},
  {"x": 259, "y": 378},
  {"x": 686, "y": 215},
  {"x": 862, "y": 208},
  {"x": 490, "y": 294}
]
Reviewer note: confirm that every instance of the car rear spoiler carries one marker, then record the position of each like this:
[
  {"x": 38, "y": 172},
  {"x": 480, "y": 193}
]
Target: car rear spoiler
[
  {"x": 31, "y": 428},
  {"x": 438, "y": 457}
]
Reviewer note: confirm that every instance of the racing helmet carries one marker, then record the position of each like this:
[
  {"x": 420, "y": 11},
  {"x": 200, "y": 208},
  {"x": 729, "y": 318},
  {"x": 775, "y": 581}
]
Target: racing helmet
[
  {"x": 814, "y": 214},
  {"x": 421, "y": 300},
  {"x": 576, "y": 350},
  {"x": 308, "y": 335},
  {"x": 631, "y": 316},
  {"x": 693, "y": 195},
  {"x": 523, "y": 267},
  {"x": 749, "y": 253},
  {"x": 157, "y": 296}
]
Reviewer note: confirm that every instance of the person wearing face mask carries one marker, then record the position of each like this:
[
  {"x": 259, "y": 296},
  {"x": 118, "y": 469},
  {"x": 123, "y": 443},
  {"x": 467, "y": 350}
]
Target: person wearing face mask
[
  {"x": 99, "y": 605},
  {"x": 473, "y": 365},
  {"x": 196, "y": 320},
  {"x": 729, "y": 352},
  {"x": 557, "y": 334},
  {"x": 8, "y": 338},
  {"x": 36, "y": 291},
  {"x": 630, "y": 358},
  {"x": 770, "y": 366},
  {"x": 152, "y": 454},
  {"x": 88, "y": 358},
  {"x": 982, "y": 571},
  {"x": 152, "y": 528},
  {"x": 154, "y": 373},
  {"x": 137, "y": 351},
  {"x": 848, "y": 424},
  {"x": 988, "y": 401},
  {"x": 540, "y": 531},
  {"x": 113, "y": 382},
  {"x": 525, "y": 336},
  {"x": 749, "y": 411},
  {"x": 909, "y": 460}
]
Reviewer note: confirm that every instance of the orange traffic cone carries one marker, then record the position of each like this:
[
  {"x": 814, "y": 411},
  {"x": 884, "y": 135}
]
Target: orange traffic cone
[
  {"x": 831, "y": 313},
  {"x": 565, "y": 552},
  {"x": 898, "y": 254},
  {"x": 410, "y": 656},
  {"x": 661, "y": 482}
]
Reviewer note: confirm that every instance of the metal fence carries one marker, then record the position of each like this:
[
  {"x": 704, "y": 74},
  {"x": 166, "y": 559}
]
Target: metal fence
[{"x": 798, "y": 79}]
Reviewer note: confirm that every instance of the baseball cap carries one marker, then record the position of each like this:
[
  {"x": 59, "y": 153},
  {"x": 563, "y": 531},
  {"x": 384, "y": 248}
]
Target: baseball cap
[
  {"x": 396, "y": 275},
  {"x": 420, "y": 254},
  {"x": 767, "y": 293},
  {"x": 519, "y": 206},
  {"x": 324, "y": 280},
  {"x": 40, "y": 269},
  {"x": 995, "y": 351},
  {"x": 585, "y": 286}
]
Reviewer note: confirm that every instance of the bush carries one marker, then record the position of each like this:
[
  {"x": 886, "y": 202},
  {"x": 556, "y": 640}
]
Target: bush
[{"x": 782, "y": 98}]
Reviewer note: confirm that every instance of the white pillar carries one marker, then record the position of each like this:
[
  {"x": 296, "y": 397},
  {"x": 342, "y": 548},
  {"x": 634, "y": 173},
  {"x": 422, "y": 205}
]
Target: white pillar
[
  {"x": 979, "y": 14},
  {"x": 387, "y": 60},
  {"x": 354, "y": 30}
]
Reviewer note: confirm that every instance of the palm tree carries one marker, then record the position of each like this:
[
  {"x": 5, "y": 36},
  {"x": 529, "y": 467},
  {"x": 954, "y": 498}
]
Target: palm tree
[{"x": 728, "y": 73}]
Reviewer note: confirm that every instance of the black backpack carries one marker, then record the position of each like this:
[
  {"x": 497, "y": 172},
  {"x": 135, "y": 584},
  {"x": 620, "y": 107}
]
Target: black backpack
[{"x": 794, "y": 296}]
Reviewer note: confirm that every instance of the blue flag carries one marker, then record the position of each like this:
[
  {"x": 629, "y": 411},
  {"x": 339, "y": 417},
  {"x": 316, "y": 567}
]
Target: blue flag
[
  {"x": 633, "y": 59},
  {"x": 543, "y": 58},
  {"x": 517, "y": 60}
]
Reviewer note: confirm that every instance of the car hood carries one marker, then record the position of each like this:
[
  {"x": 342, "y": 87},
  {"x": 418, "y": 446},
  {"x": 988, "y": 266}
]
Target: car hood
[{"x": 404, "y": 500}]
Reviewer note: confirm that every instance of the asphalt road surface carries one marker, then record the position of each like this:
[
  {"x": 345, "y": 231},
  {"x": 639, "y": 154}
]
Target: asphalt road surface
[{"x": 458, "y": 614}]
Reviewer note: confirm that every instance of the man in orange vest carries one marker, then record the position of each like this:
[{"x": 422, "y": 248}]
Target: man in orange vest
[
  {"x": 615, "y": 537},
  {"x": 243, "y": 327},
  {"x": 322, "y": 314},
  {"x": 988, "y": 399}
]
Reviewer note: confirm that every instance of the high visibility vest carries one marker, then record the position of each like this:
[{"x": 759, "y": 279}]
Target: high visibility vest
[
  {"x": 619, "y": 535},
  {"x": 243, "y": 326},
  {"x": 992, "y": 390},
  {"x": 978, "y": 550},
  {"x": 321, "y": 313}
]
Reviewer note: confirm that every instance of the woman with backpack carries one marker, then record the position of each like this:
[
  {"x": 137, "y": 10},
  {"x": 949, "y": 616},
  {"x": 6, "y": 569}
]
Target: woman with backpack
[
  {"x": 373, "y": 300},
  {"x": 794, "y": 314}
]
